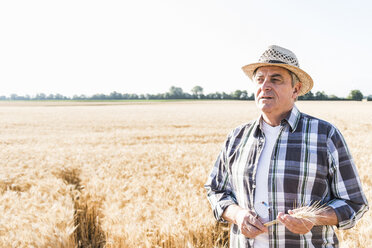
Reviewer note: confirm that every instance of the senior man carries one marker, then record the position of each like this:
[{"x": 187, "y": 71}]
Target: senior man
[{"x": 283, "y": 160}]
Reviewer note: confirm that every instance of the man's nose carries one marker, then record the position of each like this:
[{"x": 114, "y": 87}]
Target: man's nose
[{"x": 266, "y": 85}]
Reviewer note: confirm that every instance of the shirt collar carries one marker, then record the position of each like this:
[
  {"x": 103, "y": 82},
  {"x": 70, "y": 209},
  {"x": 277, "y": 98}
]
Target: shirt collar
[{"x": 292, "y": 120}]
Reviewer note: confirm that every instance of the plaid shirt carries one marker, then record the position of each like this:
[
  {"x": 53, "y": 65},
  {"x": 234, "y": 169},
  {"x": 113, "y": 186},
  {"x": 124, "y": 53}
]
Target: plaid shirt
[{"x": 310, "y": 162}]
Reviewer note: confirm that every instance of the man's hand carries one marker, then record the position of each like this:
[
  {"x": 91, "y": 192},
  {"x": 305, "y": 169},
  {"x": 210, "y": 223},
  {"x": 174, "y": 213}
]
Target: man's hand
[
  {"x": 302, "y": 226},
  {"x": 247, "y": 221},
  {"x": 295, "y": 225},
  {"x": 249, "y": 224}
]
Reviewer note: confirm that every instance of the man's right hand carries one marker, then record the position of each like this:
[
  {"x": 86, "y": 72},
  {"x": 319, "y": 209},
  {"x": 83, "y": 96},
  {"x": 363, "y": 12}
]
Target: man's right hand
[
  {"x": 247, "y": 220},
  {"x": 249, "y": 223}
]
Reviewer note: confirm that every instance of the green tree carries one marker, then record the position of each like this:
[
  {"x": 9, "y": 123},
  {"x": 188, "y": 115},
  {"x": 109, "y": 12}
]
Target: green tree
[
  {"x": 115, "y": 95},
  {"x": 333, "y": 97},
  {"x": 50, "y": 97},
  {"x": 321, "y": 95},
  {"x": 355, "y": 95},
  {"x": 197, "y": 91},
  {"x": 236, "y": 94},
  {"x": 175, "y": 93},
  {"x": 308, "y": 96},
  {"x": 40, "y": 96},
  {"x": 225, "y": 96},
  {"x": 13, "y": 97},
  {"x": 244, "y": 95}
]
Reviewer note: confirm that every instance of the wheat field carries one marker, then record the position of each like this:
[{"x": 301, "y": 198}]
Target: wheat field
[{"x": 124, "y": 174}]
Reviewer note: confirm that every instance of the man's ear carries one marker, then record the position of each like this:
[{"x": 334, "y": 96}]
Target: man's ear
[{"x": 296, "y": 89}]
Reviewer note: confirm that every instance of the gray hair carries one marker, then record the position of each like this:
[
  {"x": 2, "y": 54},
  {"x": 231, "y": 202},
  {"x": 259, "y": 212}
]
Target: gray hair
[{"x": 295, "y": 79}]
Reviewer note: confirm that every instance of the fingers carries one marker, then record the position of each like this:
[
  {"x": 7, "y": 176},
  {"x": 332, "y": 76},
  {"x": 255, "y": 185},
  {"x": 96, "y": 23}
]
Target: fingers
[
  {"x": 250, "y": 231},
  {"x": 249, "y": 224},
  {"x": 254, "y": 221},
  {"x": 295, "y": 225}
]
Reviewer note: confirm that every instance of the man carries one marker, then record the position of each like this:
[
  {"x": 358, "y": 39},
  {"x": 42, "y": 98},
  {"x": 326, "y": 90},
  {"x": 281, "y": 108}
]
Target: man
[{"x": 283, "y": 160}]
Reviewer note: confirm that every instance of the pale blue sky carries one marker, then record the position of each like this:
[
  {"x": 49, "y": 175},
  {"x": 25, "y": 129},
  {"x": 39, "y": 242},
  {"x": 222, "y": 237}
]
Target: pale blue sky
[{"x": 146, "y": 46}]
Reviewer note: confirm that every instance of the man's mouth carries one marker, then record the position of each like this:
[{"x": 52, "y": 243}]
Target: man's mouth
[{"x": 266, "y": 97}]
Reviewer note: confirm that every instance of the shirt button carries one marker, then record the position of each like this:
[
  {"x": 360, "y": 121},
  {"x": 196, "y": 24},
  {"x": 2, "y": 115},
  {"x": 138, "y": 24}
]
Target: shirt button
[{"x": 253, "y": 186}]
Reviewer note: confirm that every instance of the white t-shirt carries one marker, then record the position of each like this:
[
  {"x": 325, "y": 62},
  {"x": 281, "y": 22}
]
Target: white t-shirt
[{"x": 262, "y": 174}]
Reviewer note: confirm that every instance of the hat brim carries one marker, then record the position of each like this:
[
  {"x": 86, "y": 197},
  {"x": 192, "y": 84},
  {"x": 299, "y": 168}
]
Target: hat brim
[{"x": 305, "y": 79}]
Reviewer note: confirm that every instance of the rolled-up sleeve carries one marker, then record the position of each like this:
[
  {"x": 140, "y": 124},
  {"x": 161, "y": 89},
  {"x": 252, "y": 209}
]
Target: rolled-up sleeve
[
  {"x": 349, "y": 201},
  {"x": 218, "y": 185}
]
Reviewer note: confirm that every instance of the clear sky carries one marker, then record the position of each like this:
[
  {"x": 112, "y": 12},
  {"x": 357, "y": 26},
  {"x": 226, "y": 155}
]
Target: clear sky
[{"x": 145, "y": 46}]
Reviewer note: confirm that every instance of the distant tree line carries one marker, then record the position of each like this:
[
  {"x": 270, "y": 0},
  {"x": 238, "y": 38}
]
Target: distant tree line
[
  {"x": 178, "y": 93},
  {"x": 355, "y": 95}
]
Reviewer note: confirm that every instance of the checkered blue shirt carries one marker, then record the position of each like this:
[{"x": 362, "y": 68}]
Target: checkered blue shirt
[{"x": 310, "y": 162}]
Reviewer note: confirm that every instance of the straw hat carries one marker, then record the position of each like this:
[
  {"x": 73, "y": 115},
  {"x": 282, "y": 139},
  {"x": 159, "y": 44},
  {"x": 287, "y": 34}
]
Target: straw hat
[{"x": 279, "y": 56}]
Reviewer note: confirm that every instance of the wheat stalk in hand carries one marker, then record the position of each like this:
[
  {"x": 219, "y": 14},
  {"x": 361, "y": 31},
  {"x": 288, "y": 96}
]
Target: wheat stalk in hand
[{"x": 310, "y": 213}]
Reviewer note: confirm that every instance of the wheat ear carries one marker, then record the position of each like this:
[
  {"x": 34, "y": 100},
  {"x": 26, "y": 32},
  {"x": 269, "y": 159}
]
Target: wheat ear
[{"x": 309, "y": 213}]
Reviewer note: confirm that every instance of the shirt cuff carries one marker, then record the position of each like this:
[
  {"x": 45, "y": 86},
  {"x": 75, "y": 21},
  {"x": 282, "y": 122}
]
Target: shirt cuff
[
  {"x": 345, "y": 214},
  {"x": 220, "y": 208}
]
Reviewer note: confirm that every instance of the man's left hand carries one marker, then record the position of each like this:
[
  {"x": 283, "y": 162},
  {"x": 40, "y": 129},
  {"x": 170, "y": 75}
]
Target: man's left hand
[{"x": 295, "y": 225}]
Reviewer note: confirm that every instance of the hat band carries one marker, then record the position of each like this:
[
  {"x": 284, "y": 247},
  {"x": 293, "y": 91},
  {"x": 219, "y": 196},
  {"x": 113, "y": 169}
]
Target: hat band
[{"x": 276, "y": 62}]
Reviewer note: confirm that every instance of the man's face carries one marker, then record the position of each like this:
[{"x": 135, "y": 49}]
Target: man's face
[{"x": 274, "y": 92}]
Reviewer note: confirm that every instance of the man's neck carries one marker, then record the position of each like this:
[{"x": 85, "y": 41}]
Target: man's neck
[{"x": 275, "y": 119}]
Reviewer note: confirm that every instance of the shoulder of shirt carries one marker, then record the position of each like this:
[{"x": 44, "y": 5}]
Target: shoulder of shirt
[
  {"x": 322, "y": 124},
  {"x": 237, "y": 130},
  {"x": 235, "y": 136}
]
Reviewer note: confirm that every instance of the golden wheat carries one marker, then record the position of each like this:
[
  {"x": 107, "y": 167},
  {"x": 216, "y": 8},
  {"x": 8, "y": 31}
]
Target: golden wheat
[
  {"x": 308, "y": 212},
  {"x": 132, "y": 175}
]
